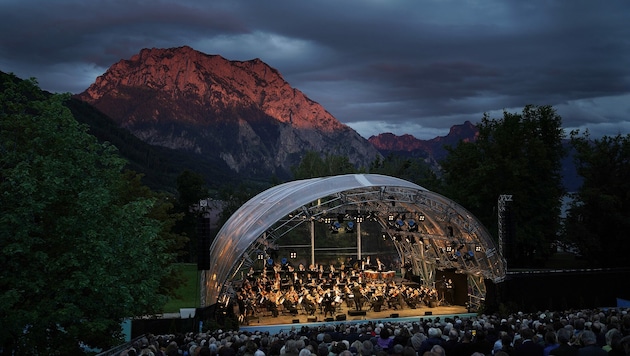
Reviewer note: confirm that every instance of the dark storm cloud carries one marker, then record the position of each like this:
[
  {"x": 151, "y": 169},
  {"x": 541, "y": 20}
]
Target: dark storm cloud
[{"x": 414, "y": 67}]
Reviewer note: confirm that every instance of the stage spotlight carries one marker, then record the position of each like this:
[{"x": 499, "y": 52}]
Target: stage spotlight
[
  {"x": 349, "y": 226},
  {"x": 399, "y": 224},
  {"x": 421, "y": 217},
  {"x": 469, "y": 256},
  {"x": 335, "y": 226},
  {"x": 293, "y": 255},
  {"x": 412, "y": 225},
  {"x": 261, "y": 256},
  {"x": 477, "y": 248}
]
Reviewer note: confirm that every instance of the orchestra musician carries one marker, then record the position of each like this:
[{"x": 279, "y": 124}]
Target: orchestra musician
[
  {"x": 450, "y": 294},
  {"x": 379, "y": 264},
  {"x": 308, "y": 301},
  {"x": 291, "y": 301},
  {"x": 272, "y": 303}
]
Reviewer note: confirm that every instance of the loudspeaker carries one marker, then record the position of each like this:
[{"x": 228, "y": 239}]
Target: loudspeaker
[
  {"x": 329, "y": 319},
  {"x": 394, "y": 315},
  {"x": 340, "y": 317},
  {"x": 356, "y": 312},
  {"x": 296, "y": 321},
  {"x": 428, "y": 313},
  {"x": 203, "y": 243},
  {"x": 311, "y": 319}
]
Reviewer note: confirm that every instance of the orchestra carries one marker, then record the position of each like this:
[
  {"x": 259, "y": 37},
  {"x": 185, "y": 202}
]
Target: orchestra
[{"x": 282, "y": 288}]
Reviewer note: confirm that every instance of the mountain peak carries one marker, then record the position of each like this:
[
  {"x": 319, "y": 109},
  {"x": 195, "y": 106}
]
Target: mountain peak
[
  {"x": 183, "y": 73},
  {"x": 241, "y": 111}
]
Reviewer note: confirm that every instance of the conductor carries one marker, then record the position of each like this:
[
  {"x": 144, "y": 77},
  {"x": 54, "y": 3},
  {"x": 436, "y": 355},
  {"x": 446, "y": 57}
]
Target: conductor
[{"x": 358, "y": 297}]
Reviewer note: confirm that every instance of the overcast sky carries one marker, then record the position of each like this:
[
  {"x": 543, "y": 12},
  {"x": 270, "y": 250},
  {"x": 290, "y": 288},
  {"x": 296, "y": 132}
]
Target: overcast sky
[{"x": 407, "y": 67}]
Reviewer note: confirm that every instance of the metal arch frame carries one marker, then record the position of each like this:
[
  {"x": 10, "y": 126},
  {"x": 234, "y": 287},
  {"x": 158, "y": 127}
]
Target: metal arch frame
[{"x": 278, "y": 210}]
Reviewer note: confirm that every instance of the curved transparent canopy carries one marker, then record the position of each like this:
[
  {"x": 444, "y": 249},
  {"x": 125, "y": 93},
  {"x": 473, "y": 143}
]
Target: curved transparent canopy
[{"x": 429, "y": 231}]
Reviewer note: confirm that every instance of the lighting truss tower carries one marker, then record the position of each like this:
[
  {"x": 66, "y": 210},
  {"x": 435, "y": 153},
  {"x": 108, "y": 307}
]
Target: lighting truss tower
[{"x": 503, "y": 223}]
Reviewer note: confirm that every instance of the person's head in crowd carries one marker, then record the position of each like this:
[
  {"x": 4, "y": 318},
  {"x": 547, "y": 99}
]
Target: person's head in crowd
[
  {"x": 204, "y": 351},
  {"x": 550, "y": 338},
  {"x": 384, "y": 334},
  {"x": 322, "y": 350},
  {"x": 291, "y": 347},
  {"x": 368, "y": 347},
  {"x": 612, "y": 338},
  {"x": 435, "y": 333},
  {"x": 438, "y": 350},
  {"x": 409, "y": 351},
  {"x": 624, "y": 343},
  {"x": 588, "y": 338},
  {"x": 526, "y": 333}
]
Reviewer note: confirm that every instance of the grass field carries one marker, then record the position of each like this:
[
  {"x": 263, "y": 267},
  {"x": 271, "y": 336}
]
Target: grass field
[{"x": 188, "y": 293}]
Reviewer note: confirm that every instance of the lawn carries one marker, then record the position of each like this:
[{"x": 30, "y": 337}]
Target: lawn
[{"x": 188, "y": 292}]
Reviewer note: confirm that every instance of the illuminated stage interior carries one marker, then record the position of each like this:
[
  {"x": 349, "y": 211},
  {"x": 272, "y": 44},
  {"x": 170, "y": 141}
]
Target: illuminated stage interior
[{"x": 346, "y": 312}]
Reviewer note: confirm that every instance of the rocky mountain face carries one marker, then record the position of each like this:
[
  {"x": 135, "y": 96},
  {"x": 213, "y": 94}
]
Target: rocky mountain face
[
  {"x": 433, "y": 149},
  {"x": 244, "y": 113}
]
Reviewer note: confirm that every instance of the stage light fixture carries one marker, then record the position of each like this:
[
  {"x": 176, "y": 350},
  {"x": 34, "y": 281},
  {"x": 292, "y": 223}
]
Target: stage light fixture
[
  {"x": 349, "y": 226},
  {"x": 412, "y": 225},
  {"x": 335, "y": 226}
]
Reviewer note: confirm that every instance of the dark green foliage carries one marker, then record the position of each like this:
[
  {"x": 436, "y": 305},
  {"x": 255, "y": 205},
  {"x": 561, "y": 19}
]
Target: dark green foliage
[
  {"x": 314, "y": 165},
  {"x": 191, "y": 188},
  {"x": 520, "y": 155},
  {"x": 415, "y": 170},
  {"x": 598, "y": 220},
  {"x": 82, "y": 245}
]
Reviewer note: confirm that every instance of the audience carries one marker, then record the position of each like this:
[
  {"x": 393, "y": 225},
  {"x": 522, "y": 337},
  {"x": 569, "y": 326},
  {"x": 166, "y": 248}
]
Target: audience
[{"x": 573, "y": 332}]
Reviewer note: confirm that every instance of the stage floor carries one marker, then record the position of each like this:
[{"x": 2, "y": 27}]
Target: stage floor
[{"x": 343, "y": 311}]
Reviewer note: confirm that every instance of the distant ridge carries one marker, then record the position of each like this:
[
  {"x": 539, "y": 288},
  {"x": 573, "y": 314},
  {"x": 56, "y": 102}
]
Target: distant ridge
[{"x": 408, "y": 145}]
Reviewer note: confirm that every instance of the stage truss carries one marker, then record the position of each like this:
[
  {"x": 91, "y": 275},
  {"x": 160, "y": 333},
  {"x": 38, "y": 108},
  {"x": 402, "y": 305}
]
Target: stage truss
[{"x": 430, "y": 232}]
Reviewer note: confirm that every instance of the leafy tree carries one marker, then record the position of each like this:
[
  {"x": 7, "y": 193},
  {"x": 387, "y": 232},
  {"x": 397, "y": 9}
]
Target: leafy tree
[
  {"x": 314, "y": 165},
  {"x": 79, "y": 248},
  {"x": 520, "y": 155},
  {"x": 191, "y": 188},
  {"x": 415, "y": 170},
  {"x": 598, "y": 219}
]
